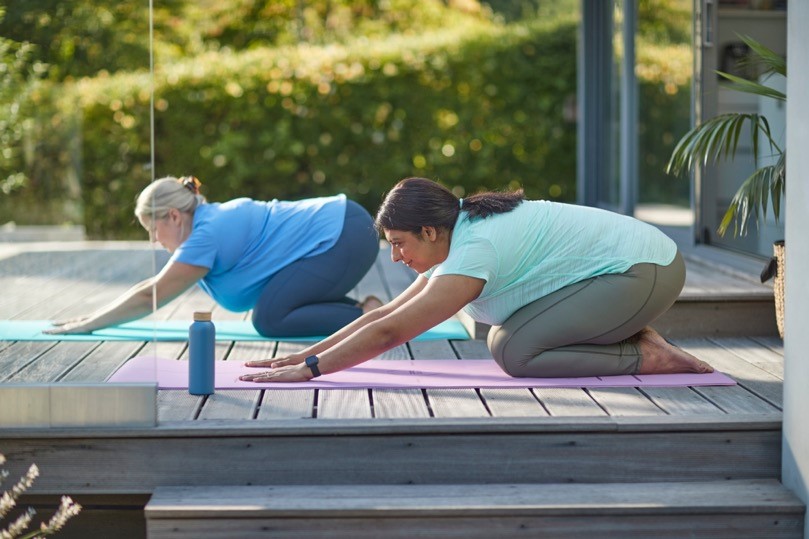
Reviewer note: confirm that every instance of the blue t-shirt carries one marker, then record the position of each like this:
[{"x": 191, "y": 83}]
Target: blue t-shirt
[
  {"x": 541, "y": 247},
  {"x": 244, "y": 242}
]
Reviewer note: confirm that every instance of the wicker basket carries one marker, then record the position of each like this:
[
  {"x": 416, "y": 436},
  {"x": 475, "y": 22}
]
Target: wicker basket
[{"x": 779, "y": 253}]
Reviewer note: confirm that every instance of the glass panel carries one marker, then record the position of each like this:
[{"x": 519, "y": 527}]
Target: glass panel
[
  {"x": 766, "y": 23},
  {"x": 611, "y": 193},
  {"x": 261, "y": 99},
  {"x": 664, "y": 65},
  {"x": 72, "y": 151}
]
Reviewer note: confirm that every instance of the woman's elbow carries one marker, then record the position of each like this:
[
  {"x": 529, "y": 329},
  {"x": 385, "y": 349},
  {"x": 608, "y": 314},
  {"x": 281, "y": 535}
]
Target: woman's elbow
[
  {"x": 388, "y": 335},
  {"x": 145, "y": 293}
]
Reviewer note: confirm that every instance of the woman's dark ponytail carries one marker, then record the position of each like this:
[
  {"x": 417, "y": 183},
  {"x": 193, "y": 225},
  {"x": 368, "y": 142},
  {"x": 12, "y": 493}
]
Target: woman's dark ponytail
[
  {"x": 482, "y": 205},
  {"x": 414, "y": 203}
]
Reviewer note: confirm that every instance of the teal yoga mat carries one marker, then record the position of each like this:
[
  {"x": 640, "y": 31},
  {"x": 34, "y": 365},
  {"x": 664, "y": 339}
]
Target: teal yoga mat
[{"x": 177, "y": 330}]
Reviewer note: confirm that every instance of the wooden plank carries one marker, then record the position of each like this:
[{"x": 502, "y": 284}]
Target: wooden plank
[
  {"x": 754, "y": 353},
  {"x": 110, "y": 275},
  {"x": 287, "y": 404},
  {"x": 102, "y": 362},
  {"x": 421, "y": 452},
  {"x": 763, "y": 384},
  {"x": 410, "y": 402},
  {"x": 568, "y": 402},
  {"x": 371, "y": 501},
  {"x": 706, "y": 283},
  {"x": 471, "y": 349},
  {"x": 512, "y": 402},
  {"x": 501, "y": 402},
  {"x": 399, "y": 403},
  {"x": 165, "y": 349},
  {"x": 456, "y": 403},
  {"x": 736, "y": 400},
  {"x": 612, "y": 510},
  {"x": 770, "y": 525},
  {"x": 177, "y": 405},
  {"x": 624, "y": 401},
  {"x": 437, "y": 349},
  {"x": 776, "y": 344},
  {"x": 174, "y": 404},
  {"x": 221, "y": 351},
  {"x": 448, "y": 402},
  {"x": 60, "y": 359},
  {"x": 680, "y": 401},
  {"x": 230, "y": 404},
  {"x": 19, "y": 355},
  {"x": 32, "y": 287},
  {"x": 504, "y": 402},
  {"x": 343, "y": 404},
  {"x": 237, "y": 403}
]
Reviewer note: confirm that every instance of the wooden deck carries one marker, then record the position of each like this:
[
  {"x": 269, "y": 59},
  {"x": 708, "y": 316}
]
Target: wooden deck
[
  {"x": 461, "y": 438},
  {"x": 54, "y": 284}
]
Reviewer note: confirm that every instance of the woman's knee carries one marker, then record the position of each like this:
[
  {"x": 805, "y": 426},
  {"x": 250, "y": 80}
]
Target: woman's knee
[
  {"x": 498, "y": 342},
  {"x": 268, "y": 324}
]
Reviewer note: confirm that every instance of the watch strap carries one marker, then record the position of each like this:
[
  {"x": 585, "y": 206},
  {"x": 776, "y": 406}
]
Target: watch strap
[{"x": 311, "y": 362}]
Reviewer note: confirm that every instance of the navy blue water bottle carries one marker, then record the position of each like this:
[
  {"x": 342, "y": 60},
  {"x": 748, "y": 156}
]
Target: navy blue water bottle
[{"x": 201, "y": 338}]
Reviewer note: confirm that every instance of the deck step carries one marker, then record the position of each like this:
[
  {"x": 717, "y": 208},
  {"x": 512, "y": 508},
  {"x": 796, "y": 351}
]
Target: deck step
[{"x": 735, "y": 508}]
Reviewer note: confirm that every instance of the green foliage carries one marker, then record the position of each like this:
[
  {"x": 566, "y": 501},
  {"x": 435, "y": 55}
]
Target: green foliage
[
  {"x": 78, "y": 38},
  {"x": 665, "y": 21},
  {"x": 14, "y": 81},
  {"x": 663, "y": 117},
  {"x": 478, "y": 107},
  {"x": 287, "y": 99},
  {"x": 244, "y": 24}
]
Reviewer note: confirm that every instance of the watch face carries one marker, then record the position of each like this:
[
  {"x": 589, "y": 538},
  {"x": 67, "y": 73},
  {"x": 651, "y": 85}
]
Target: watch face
[{"x": 312, "y": 362}]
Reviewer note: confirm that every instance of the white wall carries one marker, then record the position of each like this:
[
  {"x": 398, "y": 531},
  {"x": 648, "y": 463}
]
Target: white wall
[{"x": 795, "y": 467}]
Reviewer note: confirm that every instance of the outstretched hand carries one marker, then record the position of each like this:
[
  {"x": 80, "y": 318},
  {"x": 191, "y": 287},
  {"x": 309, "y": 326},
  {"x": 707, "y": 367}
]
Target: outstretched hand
[
  {"x": 67, "y": 327},
  {"x": 291, "y": 359},
  {"x": 69, "y": 321},
  {"x": 289, "y": 373}
]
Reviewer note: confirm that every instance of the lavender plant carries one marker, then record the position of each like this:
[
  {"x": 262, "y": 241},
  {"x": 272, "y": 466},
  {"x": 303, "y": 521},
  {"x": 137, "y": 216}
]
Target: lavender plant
[{"x": 17, "y": 529}]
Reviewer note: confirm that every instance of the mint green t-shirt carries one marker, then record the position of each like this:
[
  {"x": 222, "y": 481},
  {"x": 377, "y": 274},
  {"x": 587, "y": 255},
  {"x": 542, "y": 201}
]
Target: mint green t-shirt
[{"x": 541, "y": 247}]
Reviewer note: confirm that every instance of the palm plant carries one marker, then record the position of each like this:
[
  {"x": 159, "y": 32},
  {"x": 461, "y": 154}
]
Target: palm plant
[{"x": 718, "y": 138}]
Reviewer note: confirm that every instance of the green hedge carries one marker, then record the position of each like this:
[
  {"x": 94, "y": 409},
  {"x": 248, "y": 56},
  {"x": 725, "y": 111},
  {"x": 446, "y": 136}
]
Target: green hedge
[{"x": 477, "y": 108}]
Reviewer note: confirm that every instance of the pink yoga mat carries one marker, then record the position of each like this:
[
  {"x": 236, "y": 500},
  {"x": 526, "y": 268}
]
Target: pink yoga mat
[{"x": 419, "y": 373}]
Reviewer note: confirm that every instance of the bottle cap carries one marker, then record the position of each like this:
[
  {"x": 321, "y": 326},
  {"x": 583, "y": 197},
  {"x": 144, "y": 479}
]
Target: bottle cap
[{"x": 202, "y": 316}]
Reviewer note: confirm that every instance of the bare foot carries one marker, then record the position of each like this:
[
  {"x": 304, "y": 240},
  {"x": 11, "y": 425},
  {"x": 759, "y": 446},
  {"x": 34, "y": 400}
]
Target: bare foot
[
  {"x": 658, "y": 356},
  {"x": 370, "y": 303}
]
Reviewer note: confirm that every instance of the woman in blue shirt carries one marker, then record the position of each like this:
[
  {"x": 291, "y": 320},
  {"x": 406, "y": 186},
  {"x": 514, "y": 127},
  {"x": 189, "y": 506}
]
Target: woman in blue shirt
[
  {"x": 569, "y": 290},
  {"x": 292, "y": 263}
]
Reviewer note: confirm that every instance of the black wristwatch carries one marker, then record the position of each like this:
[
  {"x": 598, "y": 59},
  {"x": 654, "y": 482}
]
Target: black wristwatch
[{"x": 312, "y": 362}]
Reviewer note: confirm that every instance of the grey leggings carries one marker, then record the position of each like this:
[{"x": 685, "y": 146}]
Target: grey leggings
[{"x": 585, "y": 329}]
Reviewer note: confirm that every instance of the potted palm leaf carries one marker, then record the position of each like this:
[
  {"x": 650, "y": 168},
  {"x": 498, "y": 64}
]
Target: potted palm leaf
[{"x": 718, "y": 138}]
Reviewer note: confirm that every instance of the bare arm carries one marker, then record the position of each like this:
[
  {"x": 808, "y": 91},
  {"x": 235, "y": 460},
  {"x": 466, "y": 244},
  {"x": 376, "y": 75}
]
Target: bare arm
[
  {"x": 136, "y": 302},
  {"x": 345, "y": 332},
  {"x": 441, "y": 298}
]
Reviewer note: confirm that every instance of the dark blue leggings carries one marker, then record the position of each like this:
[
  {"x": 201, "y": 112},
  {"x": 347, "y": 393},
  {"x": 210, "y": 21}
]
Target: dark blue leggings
[{"x": 308, "y": 297}]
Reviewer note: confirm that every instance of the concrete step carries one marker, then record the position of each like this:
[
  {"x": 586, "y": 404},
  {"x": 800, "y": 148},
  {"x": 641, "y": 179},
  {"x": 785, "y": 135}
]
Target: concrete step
[{"x": 716, "y": 509}]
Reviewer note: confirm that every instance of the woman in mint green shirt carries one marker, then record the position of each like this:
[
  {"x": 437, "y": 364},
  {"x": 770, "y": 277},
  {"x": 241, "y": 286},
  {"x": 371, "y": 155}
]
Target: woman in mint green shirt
[{"x": 569, "y": 290}]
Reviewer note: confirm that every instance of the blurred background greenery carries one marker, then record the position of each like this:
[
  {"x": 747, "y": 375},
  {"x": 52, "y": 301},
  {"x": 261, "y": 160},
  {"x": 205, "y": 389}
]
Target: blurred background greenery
[{"x": 292, "y": 98}]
